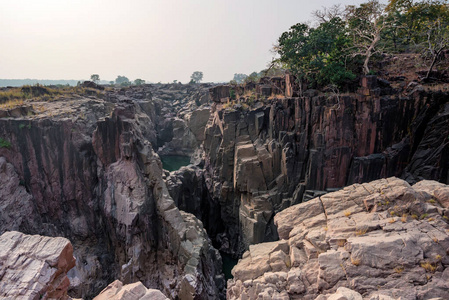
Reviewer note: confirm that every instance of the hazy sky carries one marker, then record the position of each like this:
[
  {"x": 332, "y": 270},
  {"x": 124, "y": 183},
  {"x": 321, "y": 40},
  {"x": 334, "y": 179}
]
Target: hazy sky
[{"x": 156, "y": 40}]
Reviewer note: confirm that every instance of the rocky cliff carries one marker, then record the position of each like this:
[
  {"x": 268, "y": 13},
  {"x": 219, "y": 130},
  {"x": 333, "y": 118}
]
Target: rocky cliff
[
  {"x": 384, "y": 240},
  {"x": 280, "y": 151},
  {"x": 84, "y": 167}
]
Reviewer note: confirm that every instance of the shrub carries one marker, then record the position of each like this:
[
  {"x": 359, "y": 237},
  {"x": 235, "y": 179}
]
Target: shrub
[{"x": 5, "y": 144}]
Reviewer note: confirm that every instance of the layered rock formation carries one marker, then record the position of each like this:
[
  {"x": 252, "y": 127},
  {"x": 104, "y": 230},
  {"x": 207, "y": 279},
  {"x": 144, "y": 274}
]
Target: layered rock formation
[
  {"x": 261, "y": 160},
  {"x": 34, "y": 267},
  {"x": 384, "y": 240},
  {"x": 85, "y": 168}
]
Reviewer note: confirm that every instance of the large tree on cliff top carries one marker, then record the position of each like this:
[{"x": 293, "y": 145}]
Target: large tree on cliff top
[
  {"x": 316, "y": 55},
  {"x": 365, "y": 24}
]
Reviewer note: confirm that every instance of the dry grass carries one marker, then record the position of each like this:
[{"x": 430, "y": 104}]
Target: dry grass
[
  {"x": 404, "y": 218},
  {"x": 392, "y": 220},
  {"x": 10, "y": 104},
  {"x": 341, "y": 243},
  {"x": 429, "y": 267},
  {"x": 13, "y": 97},
  {"x": 276, "y": 96},
  {"x": 347, "y": 213},
  {"x": 399, "y": 270},
  {"x": 361, "y": 231},
  {"x": 355, "y": 261}
]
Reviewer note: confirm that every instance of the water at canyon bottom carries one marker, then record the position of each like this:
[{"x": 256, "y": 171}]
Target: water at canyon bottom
[{"x": 174, "y": 162}]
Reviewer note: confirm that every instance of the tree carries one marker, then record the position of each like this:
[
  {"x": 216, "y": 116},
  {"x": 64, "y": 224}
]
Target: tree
[
  {"x": 95, "y": 78},
  {"x": 317, "y": 55},
  {"x": 328, "y": 13},
  {"x": 196, "y": 77},
  {"x": 239, "y": 78},
  {"x": 139, "y": 81},
  {"x": 253, "y": 77},
  {"x": 122, "y": 80},
  {"x": 365, "y": 24},
  {"x": 437, "y": 40}
]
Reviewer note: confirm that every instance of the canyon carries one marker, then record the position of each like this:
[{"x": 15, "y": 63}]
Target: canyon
[{"x": 272, "y": 173}]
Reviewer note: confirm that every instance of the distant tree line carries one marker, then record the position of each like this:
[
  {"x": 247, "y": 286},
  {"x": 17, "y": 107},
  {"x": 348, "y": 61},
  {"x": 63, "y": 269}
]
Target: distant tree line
[
  {"x": 345, "y": 40},
  {"x": 120, "y": 80}
]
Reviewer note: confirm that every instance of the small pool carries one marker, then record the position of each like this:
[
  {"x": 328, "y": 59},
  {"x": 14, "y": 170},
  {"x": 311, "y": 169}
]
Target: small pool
[
  {"x": 174, "y": 162},
  {"x": 228, "y": 263}
]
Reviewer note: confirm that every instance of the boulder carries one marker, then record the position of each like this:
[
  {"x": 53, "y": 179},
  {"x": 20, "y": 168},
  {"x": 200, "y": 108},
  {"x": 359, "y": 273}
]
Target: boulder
[
  {"x": 135, "y": 291},
  {"x": 34, "y": 266}
]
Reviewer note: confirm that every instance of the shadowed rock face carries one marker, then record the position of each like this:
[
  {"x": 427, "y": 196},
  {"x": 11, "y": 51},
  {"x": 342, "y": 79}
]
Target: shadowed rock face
[
  {"x": 262, "y": 161},
  {"x": 34, "y": 267},
  {"x": 87, "y": 169},
  {"x": 379, "y": 238}
]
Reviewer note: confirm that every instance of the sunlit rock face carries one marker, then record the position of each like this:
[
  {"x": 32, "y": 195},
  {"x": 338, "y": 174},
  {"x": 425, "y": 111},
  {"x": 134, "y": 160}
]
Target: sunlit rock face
[
  {"x": 85, "y": 168},
  {"x": 382, "y": 239},
  {"x": 135, "y": 291},
  {"x": 34, "y": 266}
]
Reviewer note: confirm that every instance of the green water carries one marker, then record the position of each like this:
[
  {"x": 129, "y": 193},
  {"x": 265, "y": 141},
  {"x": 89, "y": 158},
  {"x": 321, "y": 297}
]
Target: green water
[
  {"x": 174, "y": 162},
  {"x": 228, "y": 264}
]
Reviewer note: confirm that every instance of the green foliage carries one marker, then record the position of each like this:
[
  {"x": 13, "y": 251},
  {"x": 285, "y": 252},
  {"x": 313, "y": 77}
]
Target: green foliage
[
  {"x": 196, "y": 77},
  {"x": 317, "y": 55},
  {"x": 232, "y": 94},
  {"x": 95, "y": 78},
  {"x": 344, "y": 44},
  {"x": 5, "y": 144},
  {"x": 122, "y": 81},
  {"x": 253, "y": 77},
  {"x": 139, "y": 81},
  {"x": 239, "y": 78}
]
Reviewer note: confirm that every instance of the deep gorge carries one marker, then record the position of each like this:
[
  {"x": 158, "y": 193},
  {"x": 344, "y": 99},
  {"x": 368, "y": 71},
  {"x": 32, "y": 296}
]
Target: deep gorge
[{"x": 91, "y": 171}]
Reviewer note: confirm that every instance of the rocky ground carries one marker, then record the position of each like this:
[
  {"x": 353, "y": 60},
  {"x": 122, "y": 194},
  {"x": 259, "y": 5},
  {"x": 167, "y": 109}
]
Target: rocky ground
[{"x": 384, "y": 239}]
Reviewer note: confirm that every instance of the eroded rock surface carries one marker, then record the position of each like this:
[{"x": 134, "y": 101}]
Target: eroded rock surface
[
  {"x": 34, "y": 267},
  {"x": 261, "y": 160},
  {"x": 134, "y": 291},
  {"x": 84, "y": 167},
  {"x": 384, "y": 240}
]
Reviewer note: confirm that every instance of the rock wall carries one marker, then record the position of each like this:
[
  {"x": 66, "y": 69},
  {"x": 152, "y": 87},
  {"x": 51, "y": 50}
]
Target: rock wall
[
  {"x": 384, "y": 239},
  {"x": 88, "y": 170},
  {"x": 263, "y": 160}
]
